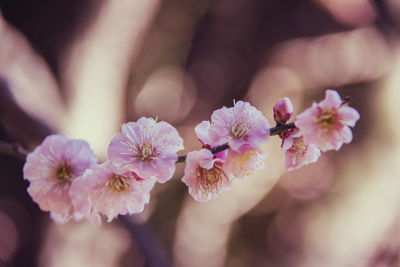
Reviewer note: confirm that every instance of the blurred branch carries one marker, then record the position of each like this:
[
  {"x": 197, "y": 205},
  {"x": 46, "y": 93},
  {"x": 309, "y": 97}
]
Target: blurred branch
[
  {"x": 25, "y": 130},
  {"x": 97, "y": 68},
  {"x": 13, "y": 149},
  {"x": 27, "y": 81},
  {"x": 148, "y": 243}
]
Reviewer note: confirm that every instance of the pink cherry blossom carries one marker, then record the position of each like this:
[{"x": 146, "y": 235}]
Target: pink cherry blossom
[
  {"x": 79, "y": 193},
  {"x": 240, "y": 125},
  {"x": 283, "y": 110},
  {"x": 326, "y": 124},
  {"x": 205, "y": 176},
  {"x": 147, "y": 148},
  {"x": 297, "y": 152},
  {"x": 245, "y": 163},
  {"x": 105, "y": 191},
  {"x": 208, "y": 136},
  {"x": 51, "y": 168}
]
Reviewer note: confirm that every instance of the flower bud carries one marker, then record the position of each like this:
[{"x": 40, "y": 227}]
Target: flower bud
[{"x": 283, "y": 110}]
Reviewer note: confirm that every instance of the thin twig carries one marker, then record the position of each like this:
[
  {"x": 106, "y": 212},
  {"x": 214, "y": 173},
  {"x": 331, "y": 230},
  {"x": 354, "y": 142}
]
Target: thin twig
[
  {"x": 13, "y": 149},
  {"x": 272, "y": 131},
  {"x": 281, "y": 128}
]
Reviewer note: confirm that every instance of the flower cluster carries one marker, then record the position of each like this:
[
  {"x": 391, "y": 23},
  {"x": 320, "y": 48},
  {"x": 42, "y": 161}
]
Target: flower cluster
[
  {"x": 244, "y": 129},
  {"x": 322, "y": 127},
  {"x": 66, "y": 180}
]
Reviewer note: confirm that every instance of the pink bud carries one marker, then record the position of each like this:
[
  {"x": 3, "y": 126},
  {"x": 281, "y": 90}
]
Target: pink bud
[{"x": 283, "y": 110}]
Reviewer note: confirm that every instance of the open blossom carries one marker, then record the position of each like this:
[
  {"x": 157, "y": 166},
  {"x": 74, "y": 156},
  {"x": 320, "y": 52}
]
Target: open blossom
[
  {"x": 147, "y": 148},
  {"x": 207, "y": 136},
  {"x": 326, "y": 124},
  {"x": 297, "y": 152},
  {"x": 283, "y": 110},
  {"x": 105, "y": 191},
  {"x": 245, "y": 163},
  {"x": 205, "y": 176},
  {"x": 51, "y": 168},
  {"x": 240, "y": 125},
  {"x": 236, "y": 164},
  {"x": 79, "y": 193}
]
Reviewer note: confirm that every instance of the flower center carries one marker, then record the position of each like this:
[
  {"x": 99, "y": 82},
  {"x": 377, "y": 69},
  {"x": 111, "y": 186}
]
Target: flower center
[
  {"x": 299, "y": 148},
  {"x": 208, "y": 180},
  {"x": 146, "y": 152},
  {"x": 118, "y": 182},
  {"x": 327, "y": 119},
  {"x": 64, "y": 175},
  {"x": 246, "y": 164},
  {"x": 239, "y": 130}
]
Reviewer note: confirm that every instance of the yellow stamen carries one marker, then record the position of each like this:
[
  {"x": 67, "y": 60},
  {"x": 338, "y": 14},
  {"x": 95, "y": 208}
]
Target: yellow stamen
[
  {"x": 327, "y": 119},
  {"x": 239, "y": 130},
  {"x": 146, "y": 151},
  {"x": 64, "y": 175},
  {"x": 118, "y": 182},
  {"x": 247, "y": 164},
  {"x": 299, "y": 147},
  {"x": 208, "y": 180}
]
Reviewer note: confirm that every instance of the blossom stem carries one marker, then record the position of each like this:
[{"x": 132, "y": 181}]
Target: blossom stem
[
  {"x": 17, "y": 151},
  {"x": 272, "y": 131},
  {"x": 281, "y": 128}
]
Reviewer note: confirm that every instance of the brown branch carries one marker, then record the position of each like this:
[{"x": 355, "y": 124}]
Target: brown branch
[
  {"x": 281, "y": 128},
  {"x": 13, "y": 149},
  {"x": 272, "y": 131}
]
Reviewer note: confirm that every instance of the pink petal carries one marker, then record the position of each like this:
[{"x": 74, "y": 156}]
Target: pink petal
[
  {"x": 146, "y": 147},
  {"x": 347, "y": 135},
  {"x": 332, "y": 100},
  {"x": 348, "y": 115}
]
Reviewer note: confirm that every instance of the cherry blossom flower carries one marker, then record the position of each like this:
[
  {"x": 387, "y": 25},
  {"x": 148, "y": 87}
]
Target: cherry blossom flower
[
  {"x": 205, "y": 176},
  {"x": 244, "y": 164},
  {"x": 240, "y": 125},
  {"x": 147, "y": 148},
  {"x": 297, "y": 152},
  {"x": 207, "y": 135},
  {"x": 238, "y": 164},
  {"x": 51, "y": 168},
  {"x": 105, "y": 191},
  {"x": 79, "y": 193},
  {"x": 326, "y": 124},
  {"x": 283, "y": 110}
]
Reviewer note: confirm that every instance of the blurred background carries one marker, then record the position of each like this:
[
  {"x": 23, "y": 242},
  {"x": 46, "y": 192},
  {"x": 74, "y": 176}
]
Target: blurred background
[{"x": 84, "y": 67}]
